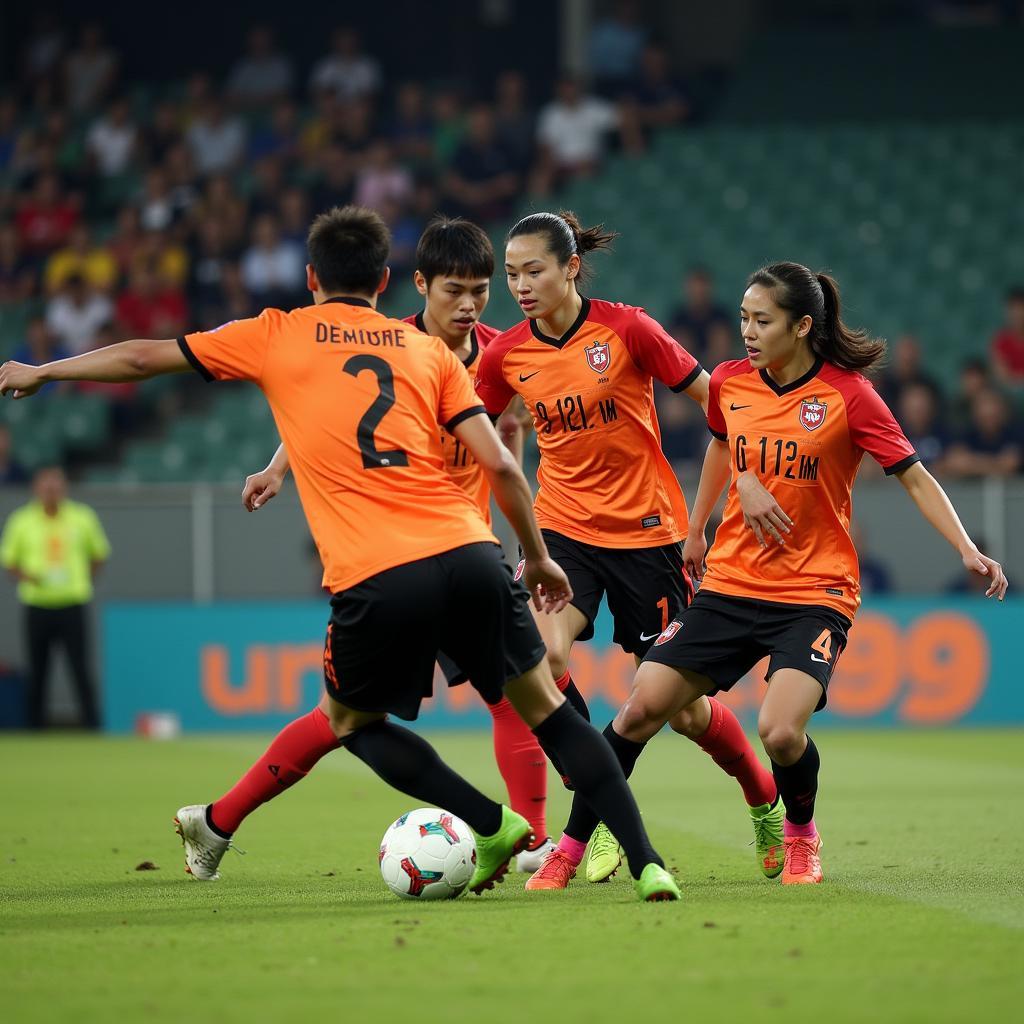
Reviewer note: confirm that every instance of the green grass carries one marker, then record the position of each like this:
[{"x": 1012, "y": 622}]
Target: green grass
[{"x": 921, "y": 917}]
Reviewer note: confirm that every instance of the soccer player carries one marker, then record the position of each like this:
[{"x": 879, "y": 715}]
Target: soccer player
[
  {"x": 790, "y": 424},
  {"x": 610, "y": 508},
  {"x": 455, "y": 264},
  {"x": 411, "y": 564}
]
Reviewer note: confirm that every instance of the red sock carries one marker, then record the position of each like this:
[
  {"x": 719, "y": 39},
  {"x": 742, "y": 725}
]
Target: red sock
[
  {"x": 730, "y": 749},
  {"x": 522, "y": 765},
  {"x": 296, "y": 748}
]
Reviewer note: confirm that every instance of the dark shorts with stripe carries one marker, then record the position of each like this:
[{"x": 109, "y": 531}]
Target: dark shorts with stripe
[
  {"x": 723, "y": 638},
  {"x": 385, "y": 632},
  {"x": 646, "y": 587}
]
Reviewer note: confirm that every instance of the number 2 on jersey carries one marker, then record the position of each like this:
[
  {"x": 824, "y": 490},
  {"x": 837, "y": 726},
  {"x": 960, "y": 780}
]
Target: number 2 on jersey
[{"x": 373, "y": 458}]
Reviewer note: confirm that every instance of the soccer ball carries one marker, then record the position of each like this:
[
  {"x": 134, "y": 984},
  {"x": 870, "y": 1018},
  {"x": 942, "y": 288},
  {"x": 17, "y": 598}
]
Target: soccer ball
[{"x": 428, "y": 855}]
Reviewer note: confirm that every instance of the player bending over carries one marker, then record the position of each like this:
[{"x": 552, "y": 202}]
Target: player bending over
[
  {"x": 791, "y": 423},
  {"x": 610, "y": 508},
  {"x": 410, "y": 562}
]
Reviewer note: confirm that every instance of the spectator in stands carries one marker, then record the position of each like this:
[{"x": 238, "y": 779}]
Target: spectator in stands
[
  {"x": 354, "y": 127},
  {"x": 571, "y": 134},
  {"x": 76, "y": 313},
  {"x": 1008, "y": 343},
  {"x": 905, "y": 367},
  {"x": 975, "y": 377},
  {"x": 81, "y": 257},
  {"x": 220, "y": 200},
  {"x": 90, "y": 71},
  {"x": 181, "y": 182},
  {"x": 411, "y": 130},
  {"x": 656, "y": 99},
  {"x": 409, "y": 225},
  {"x": 381, "y": 181},
  {"x": 46, "y": 217},
  {"x": 54, "y": 547},
  {"x": 267, "y": 184},
  {"x": 279, "y": 138},
  {"x": 702, "y": 326},
  {"x": 43, "y": 50},
  {"x": 482, "y": 179},
  {"x": 161, "y": 133},
  {"x": 112, "y": 140},
  {"x": 156, "y": 204},
  {"x": 515, "y": 124},
  {"x": 40, "y": 346},
  {"x": 917, "y": 409},
  {"x": 449, "y": 121},
  {"x": 150, "y": 307},
  {"x": 127, "y": 237},
  {"x": 11, "y": 471},
  {"x": 993, "y": 444},
  {"x": 17, "y": 272},
  {"x": 273, "y": 270},
  {"x": 209, "y": 261},
  {"x": 346, "y": 71},
  {"x": 294, "y": 216},
  {"x": 217, "y": 141},
  {"x": 614, "y": 48},
  {"x": 263, "y": 75}
]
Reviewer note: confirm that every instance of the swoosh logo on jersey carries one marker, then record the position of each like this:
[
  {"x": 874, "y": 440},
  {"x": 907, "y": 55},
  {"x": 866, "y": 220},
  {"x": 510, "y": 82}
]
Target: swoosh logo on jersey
[
  {"x": 644, "y": 636},
  {"x": 523, "y": 380},
  {"x": 733, "y": 407},
  {"x": 821, "y": 661}
]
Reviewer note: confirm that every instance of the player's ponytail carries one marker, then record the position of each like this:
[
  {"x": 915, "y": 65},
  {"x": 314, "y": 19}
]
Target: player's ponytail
[
  {"x": 566, "y": 237},
  {"x": 802, "y": 293}
]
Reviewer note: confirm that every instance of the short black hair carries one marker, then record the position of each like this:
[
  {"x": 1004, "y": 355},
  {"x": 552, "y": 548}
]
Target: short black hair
[
  {"x": 348, "y": 249},
  {"x": 454, "y": 247}
]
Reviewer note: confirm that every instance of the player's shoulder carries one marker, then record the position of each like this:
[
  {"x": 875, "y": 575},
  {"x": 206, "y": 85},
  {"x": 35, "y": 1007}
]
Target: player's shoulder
[
  {"x": 485, "y": 334},
  {"x": 617, "y": 315},
  {"x": 730, "y": 368},
  {"x": 505, "y": 341},
  {"x": 851, "y": 384}
]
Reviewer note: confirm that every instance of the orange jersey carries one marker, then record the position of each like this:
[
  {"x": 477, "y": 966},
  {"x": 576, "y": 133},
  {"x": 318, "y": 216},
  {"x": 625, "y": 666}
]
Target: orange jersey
[
  {"x": 458, "y": 460},
  {"x": 357, "y": 399},
  {"x": 603, "y": 478},
  {"x": 804, "y": 441}
]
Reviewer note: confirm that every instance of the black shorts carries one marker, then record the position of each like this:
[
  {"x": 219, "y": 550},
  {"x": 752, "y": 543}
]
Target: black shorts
[
  {"x": 646, "y": 587},
  {"x": 453, "y": 675},
  {"x": 385, "y": 632},
  {"x": 723, "y": 638}
]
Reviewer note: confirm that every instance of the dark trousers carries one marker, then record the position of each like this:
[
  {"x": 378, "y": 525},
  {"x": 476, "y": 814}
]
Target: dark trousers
[{"x": 45, "y": 629}]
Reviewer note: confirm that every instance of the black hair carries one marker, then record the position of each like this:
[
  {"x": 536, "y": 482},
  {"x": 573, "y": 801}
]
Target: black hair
[
  {"x": 801, "y": 292},
  {"x": 348, "y": 249},
  {"x": 454, "y": 247},
  {"x": 565, "y": 237}
]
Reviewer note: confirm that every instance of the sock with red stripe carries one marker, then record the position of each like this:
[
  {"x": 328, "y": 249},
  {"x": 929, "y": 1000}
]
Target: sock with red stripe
[
  {"x": 522, "y": 765},
  {"x": 728, "y": 746},
  {"x": 289, "y": 758}
]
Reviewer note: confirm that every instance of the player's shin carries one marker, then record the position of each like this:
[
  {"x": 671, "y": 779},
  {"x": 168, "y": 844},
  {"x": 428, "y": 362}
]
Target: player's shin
[{"x": 798, "y": 787}]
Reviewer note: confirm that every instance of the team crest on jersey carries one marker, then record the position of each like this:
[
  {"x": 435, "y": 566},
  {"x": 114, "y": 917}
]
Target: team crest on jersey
[
  {"x": 599, "y": 356},
  {"x": 812, "y": 413},
  {"x": 670, "y": 631}
]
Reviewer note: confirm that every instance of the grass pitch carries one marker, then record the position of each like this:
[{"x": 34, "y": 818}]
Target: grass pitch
[{"x": 921, "y": 917}]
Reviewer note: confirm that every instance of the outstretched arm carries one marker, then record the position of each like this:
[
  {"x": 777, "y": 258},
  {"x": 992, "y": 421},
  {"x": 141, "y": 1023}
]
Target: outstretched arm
[
  {"x": 127, "y": 361},
  {"x": 936, "y": 507}
]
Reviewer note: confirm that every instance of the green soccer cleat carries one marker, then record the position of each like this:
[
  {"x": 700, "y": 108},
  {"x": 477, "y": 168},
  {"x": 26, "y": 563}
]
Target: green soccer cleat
[
  {"x": 604, "y": 856},
  {"x": 768, "y": 840},
  {"x": 493, "y": 853},
  {"x": 655, "y": 884}
]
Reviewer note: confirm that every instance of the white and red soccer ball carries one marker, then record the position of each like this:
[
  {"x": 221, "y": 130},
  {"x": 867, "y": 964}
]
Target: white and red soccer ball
[{"x": 428, "y": 854}]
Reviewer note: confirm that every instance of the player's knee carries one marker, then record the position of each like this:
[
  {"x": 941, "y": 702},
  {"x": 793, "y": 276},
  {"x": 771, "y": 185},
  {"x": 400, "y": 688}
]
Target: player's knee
[
  {"x": 558, "y": 660},
  {"x": 687, "y": 723},
  {"x": 638, "y": 721},
  {"x": 783, "y": 741}
]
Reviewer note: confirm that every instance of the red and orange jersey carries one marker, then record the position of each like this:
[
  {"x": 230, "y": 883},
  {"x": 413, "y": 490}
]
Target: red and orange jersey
[
  {"x": 603, "y": 478},
  {"x": 458, "y": 460},
  {"x": 357, "y": 399},
  {"x": 805, "y": 441}
]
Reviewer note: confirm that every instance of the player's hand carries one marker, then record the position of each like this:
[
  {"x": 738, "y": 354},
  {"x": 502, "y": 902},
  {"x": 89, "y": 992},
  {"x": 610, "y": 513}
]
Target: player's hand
[
  {"x": 976, "y": 562},
  {"x": 20, "y": 380},
  {"x": 548, "y": 585},
  {"x": 761, "y": 512},
  {"x": 694, "y": 551},
  {"x": 260, "y": 488}
]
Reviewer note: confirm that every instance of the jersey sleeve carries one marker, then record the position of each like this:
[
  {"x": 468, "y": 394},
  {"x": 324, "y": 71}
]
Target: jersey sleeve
[
  {"x": 234, "y": 351},
  {"x": 11, "y": 542},
  {"x": 491, "y": 387},
  {"x": 656, "y": 352},
  {"x": 874, "y": 429},
  {"x": 716, "y": 419},
  {"x": 457, "y": 400}
]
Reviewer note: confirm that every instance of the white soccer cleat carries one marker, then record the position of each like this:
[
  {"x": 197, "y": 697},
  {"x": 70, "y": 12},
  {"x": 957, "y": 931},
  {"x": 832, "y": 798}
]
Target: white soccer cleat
[
  {"x": 203, "y": 847},
  {"x": 529, "y": 861}
]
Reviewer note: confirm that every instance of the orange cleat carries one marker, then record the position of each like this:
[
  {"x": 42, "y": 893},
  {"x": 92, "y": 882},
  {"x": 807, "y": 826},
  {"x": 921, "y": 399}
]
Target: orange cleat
[
  {"x": 556, "y": 872},
  {"x": 802, "y": 865}
]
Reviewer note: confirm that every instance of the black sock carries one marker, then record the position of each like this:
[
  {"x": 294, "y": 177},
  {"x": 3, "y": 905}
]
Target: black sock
[
  {"x": 576, "y": 699},
  {"x": 411, "y": 765},
  {"x": 798, "y": 784},
  {"x": 582, "y": 820},
  {"x": 599, "y": 781}
]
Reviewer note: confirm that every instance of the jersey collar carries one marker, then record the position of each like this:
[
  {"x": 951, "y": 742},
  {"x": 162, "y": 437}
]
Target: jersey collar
[
  {"x": 567, "y": 337},
  {"x": 784, "y": 389},
  {"x": 474, "y": 347},
  {"x": 349, "y": 300}
]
